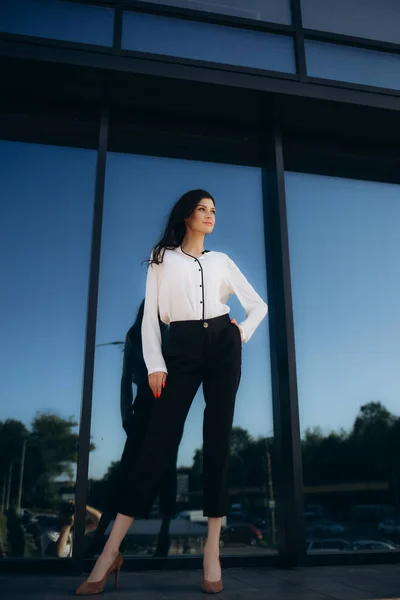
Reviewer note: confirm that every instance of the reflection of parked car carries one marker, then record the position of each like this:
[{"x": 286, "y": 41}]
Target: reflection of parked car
[
  {"x": 328, "y": 545},
  {"x": 391, "y": 527},
  {"x": 241, "y": 533},
  {"x": 313, "y": 512},
  {"x": 331, "y": 527},
  {"x": 373, "y": 513},
  {"x": 372, "y": 545}
]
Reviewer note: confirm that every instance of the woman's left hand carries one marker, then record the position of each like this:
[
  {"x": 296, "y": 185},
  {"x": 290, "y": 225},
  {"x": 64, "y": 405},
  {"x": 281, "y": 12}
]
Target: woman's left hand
[{"x": 238, "y": 326}]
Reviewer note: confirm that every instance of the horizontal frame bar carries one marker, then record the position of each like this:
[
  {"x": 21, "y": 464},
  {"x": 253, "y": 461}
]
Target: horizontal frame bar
[
  {"x": 348, "y": 40},
  {"x": 371, "y": 89},
  {"x": 280, "y": 83}
]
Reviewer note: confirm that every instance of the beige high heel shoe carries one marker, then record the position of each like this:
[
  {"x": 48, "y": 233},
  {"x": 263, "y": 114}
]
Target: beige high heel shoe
[
  {"x": 212, "y": 587},
  {"x": 91, "y": 588}
]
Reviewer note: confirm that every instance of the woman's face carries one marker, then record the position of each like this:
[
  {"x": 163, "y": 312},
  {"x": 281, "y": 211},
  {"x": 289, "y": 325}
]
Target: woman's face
[{"x": 202, "y": 219}]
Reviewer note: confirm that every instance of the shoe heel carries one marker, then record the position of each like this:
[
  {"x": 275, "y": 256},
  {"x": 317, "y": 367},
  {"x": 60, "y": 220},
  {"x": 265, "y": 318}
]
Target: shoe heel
[
  {"x": 116, "y": 579},
  {"x": 117, "y": 570}
]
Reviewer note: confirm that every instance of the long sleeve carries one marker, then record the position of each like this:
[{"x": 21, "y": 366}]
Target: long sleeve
[
  {"x": 126, "y": 397},
  {"x": 151, "y": 334},
  {"x": 253, "y": 304}
]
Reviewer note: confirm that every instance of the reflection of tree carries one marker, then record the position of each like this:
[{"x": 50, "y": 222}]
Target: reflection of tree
[
  {"x": 367, "y": 452},
  {"x": 364, "y": 453},
  {"x": 51, "y": 451},
  {"x": 99, "y": 489},
  {"x": 248, "y": 463}
]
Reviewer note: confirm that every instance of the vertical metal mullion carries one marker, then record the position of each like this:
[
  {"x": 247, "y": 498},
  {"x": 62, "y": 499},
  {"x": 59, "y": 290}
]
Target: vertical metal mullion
[
  {"x": 117, "y": 34},
  {"x": 287, "y": 443},
  {"x": 91, "y": 320},
  {"x": 299, "y": 47}
]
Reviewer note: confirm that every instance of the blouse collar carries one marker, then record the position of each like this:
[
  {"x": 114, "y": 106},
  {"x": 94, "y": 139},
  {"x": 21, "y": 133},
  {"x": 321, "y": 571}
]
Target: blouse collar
[{"x": 205, "y": 252}]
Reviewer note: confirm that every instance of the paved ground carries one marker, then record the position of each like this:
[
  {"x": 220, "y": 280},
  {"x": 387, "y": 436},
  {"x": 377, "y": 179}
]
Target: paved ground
[{"x": 317, "y": 583}]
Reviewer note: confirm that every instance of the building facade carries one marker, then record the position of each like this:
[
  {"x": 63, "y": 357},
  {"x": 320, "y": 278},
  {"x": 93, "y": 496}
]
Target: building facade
[{"x": 288, "y": 112}]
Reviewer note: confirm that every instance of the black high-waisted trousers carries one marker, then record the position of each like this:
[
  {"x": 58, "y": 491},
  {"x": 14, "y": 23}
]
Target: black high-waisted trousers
[{"x": 208, "y": 352}]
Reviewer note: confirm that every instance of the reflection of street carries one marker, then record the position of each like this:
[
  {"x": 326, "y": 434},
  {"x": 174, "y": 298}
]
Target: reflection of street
[
  {"x": 247, "y": 550},
  {"x": 186, "y": 538}
]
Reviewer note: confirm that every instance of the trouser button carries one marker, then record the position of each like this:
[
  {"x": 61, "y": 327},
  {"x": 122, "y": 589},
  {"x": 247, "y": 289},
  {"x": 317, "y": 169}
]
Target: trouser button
[{"x": 205, "y": 324}]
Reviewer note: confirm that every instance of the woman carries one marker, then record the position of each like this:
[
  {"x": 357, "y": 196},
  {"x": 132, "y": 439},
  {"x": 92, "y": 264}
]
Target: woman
[{"x": 187, "y": 287}]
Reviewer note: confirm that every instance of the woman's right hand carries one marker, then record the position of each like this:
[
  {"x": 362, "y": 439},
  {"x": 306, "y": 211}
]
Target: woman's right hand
[{"x": 157, "y": 382}]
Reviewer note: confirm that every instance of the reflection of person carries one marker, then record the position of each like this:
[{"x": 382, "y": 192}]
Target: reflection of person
[
  {"x": 135, "y": 417},
  {"x": 187, "y": 287},
  {"x": 58, "y": 541}
]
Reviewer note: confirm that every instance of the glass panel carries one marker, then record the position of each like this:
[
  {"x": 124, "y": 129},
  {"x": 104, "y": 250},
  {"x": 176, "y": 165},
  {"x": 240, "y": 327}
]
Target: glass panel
[
  {"x": 69, "y": 21},
  {"x": 203, "y": 41},
  {"x": 344, "y": 255},
  {"x": 355, "y": 65},
  {"x": 275, "y": 11},
  {"x": 375, "y": 19},
  {"x": 45, "y": 232},
  {"x": 140, "y": 191}
]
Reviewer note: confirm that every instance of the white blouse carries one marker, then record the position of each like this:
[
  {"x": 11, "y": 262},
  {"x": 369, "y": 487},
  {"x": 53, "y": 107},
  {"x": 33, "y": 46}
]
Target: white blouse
[{"x": 184, "y": 288}]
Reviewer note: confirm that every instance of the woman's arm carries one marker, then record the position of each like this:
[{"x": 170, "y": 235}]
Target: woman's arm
[
  {"x": 253, "y": 304},
  {"x": 151, "y": 334},
  {"x": 94, "y": 519},
  {"x": 63, "y": 540}
]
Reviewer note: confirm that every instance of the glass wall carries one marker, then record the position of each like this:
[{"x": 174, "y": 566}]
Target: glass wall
[
  {"x": 344, "y": 255},
  {"x": 69, "y": 21},
  {"x": 373, "y": 19},
  {"x": 208, "y": 42},
  {"x": 46, "y": 210},
  {"x": 275, "y": 11},
  {"x": 140, "y": 191},
  {"x": 354, "y": 65}
]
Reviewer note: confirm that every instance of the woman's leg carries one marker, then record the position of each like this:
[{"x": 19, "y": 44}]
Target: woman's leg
[
  {"x": 120, "y": 528},
  {"x": 211, "y": 565},
  {"x": 163, "y": 435},
  {"x": 220, "y": 385}
]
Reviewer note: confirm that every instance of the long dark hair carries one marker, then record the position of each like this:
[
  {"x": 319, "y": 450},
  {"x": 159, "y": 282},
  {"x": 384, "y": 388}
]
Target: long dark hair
[{"x": 175, "y": 229}]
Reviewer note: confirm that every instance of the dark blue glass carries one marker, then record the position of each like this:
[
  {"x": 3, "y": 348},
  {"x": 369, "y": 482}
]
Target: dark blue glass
[
  {"x": 344, "y": 254},
  {"x": 354, "y": 65},
  {"x": 275, "y": 11},
  {"x": 208, "y": 42},
  {"x": 372, "y": 19},
  {"x": 46, "y": 215},
  {"x": 68, "y": 21}
]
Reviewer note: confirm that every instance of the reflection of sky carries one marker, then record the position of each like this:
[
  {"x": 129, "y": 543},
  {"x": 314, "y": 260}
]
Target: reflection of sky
[
  {"x": 344, "y": 247},
  {"x": 344, "y": 250},
  {"x": 68, "y": 21},
  {"x": 45, "y": 227}
]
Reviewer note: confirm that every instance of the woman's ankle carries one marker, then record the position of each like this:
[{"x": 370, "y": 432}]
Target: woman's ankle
[
  {"x": 212, "y": 548},
  {"x": 110, "y": 552}
]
